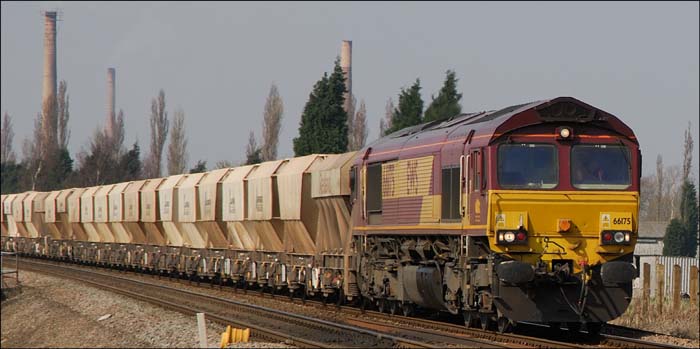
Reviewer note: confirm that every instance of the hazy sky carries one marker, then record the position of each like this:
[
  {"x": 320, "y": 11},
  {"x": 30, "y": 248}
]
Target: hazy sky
[{"x": 217, "y": 61}]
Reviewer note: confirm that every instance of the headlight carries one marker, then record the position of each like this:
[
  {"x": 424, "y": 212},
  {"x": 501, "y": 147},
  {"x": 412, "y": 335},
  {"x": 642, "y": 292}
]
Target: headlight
[
  {"x": 619, "y": 237},
  {"x": 509, "y": 236}
]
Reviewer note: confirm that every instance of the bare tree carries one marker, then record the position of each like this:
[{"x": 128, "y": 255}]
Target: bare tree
[
  {"x": 49, "y": 128},
  {"x": 351, "y": 119},
  {"x": 687, "y": 153},
  {"x": 252, "y": 151},
  {"x": 224, "y": 164},
  {"x": 63, "y": 115},
  {"x": 272, "y": 121},
  {"x": 118, "y": 134},
  {"x": 32, "y": 152},
  {"x": 659, "y": 184},
  {"x": 359, "y": 128},
  {"x": 661, "y": 193},
  {"x": 647, "y": 195},
  {"x": 177, "y": 149},
  {"x": 159, "y": 132},
  {"x": 7, "y": 134},
  {"x": 386, "y": 122}
]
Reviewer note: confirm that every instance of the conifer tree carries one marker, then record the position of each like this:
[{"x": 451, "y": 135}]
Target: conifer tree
[
  {"x": 689, "y": 219},
  {"x": 410, "y": 109},
  {"x": 446, "y": 105},
  {"x": 673, "y": 240},
  {"x": 323, "y": 127}
]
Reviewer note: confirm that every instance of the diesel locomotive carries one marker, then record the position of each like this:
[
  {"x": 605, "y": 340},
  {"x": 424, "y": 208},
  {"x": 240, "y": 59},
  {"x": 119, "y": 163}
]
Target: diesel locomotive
[{"x": 524, "y": 214}]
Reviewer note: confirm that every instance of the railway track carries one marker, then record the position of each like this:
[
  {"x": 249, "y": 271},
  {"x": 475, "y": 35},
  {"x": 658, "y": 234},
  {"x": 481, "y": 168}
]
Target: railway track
[
  {"x": 363, "y": 329},
  {"x": 265, "y": 323}
]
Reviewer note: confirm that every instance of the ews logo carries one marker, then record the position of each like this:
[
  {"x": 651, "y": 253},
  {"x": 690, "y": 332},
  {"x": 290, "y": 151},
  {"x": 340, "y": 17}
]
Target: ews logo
[{"x": 412, "y": 177}]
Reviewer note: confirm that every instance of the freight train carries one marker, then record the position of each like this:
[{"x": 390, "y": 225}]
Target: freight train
[{"x": 524, "y": 214}]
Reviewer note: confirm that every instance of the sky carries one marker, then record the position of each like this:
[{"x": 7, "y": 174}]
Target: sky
[{"x": 217, "y": 61}]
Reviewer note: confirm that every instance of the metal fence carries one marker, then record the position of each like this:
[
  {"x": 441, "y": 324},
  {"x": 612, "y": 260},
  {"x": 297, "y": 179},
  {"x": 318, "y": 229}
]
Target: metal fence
[{"x": 668, "y": 262}]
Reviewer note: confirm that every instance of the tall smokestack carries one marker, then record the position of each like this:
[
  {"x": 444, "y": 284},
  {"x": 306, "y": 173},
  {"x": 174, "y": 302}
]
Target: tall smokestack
[
  {"x": 49, "y": 110},
  {"x": 346, "y": 65},
  {"x": 111, "y": 116}
]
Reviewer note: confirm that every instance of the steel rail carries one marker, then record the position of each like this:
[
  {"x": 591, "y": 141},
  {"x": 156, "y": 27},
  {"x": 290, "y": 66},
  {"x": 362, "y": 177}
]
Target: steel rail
[
  {"x": 451, "y": 334},
  {"x": 269, "y": 334}
]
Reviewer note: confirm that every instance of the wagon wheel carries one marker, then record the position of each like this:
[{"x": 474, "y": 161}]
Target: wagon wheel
[
  {"x": 363, "y": 304},
  {"x": 393, "y": 306},
  {"x": 470, "y": 318},
  {"x": 291, "y": 293},
  {"x": 381, "y": 305},
  {"x": 486, "y": 321},
  {"x": 341, "y": 298},
  {"x": 407, "y": 309},
  {"x": 504, "y": 324},
  {"x": 303, "y": 295}
]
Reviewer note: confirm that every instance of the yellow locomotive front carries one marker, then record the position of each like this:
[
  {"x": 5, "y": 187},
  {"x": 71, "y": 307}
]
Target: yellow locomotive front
[{"x": 563, "y": 218}]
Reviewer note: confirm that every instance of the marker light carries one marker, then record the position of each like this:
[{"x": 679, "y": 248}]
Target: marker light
[
  {"x": 564, "y": 225},
  {"x": 607, "y": 236},
  {"x": 565, "y": 133},
  {"x": 521, "y": 236}
]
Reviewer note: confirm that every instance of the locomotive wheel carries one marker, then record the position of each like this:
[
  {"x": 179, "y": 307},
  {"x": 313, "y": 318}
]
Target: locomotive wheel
[
  {"x": 573, "y": 326},
  {"x": 470, "y": 318},
  {"x": 504, "y": 324},
  {"x": 594, "y": 327}
]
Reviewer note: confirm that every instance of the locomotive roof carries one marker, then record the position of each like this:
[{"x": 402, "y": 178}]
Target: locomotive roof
[{"x": 490, "y": 125}]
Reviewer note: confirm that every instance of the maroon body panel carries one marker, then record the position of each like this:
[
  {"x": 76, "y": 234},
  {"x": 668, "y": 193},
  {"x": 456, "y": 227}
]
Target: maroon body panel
[{"x": 480, "y": 134}]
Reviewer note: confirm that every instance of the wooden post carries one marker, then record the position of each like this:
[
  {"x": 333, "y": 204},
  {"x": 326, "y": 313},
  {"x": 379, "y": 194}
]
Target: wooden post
[
  {"x": 660, "y": 289},
  {"x": 646, "y": 287},
  {"x": 676, "y": 288},
  {"x": 694, "y": 286},
  {"x": 202, "y": 329}
]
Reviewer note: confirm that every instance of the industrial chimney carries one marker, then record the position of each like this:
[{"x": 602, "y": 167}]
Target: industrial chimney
[
  {"x": 346, "y": 65},
  {"x": 111, "y": 116},
  {"x": 49, "y": 109}
]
